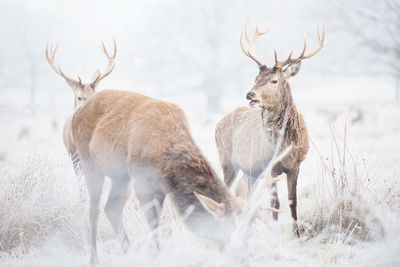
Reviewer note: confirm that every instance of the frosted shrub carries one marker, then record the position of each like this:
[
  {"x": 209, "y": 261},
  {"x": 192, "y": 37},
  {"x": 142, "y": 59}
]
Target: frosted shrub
[
  {"x": 35, "y": 200},
  {"x": 343, "y": 208}
]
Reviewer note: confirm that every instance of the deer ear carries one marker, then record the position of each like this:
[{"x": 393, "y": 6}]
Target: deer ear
[
  {"x": 212, "y": 206},
  {"x": 292, "y": 69},
  {"x": 73, "y": 84}
]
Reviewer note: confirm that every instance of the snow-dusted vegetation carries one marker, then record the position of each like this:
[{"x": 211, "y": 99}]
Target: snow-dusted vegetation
[
  {"x": 348, "y": 201},
  {"x": 188, "y": 53}
]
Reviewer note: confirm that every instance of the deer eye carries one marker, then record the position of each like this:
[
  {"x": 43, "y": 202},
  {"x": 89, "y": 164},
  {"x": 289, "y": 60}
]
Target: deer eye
[
  {"x": 274, "y": 81},
  {"x": 79, "y": 98}
]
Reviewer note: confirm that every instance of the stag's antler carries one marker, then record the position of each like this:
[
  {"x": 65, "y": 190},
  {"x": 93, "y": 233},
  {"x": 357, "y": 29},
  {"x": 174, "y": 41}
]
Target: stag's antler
[
  {"x": 250, "y": 51},
  {"x": 111, "y": 63},
  {"x": 289, "y": 60},
  {"x": 57, "y": 69}
]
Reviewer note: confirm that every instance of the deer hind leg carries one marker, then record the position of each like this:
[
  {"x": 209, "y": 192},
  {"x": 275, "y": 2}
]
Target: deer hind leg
[
  {"x": 94, "y": 182},
  {"x": 151, "y": 198},
  {"x": 292, "y": 195},
  {"x": 114, "y": 208}
]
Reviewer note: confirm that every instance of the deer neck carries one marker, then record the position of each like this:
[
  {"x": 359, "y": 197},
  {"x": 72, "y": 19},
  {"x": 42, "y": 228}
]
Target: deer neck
[
  {"x": 76, "y": 105},
  {"x": 281, "y": 118},
  {"x": 187, "y": 171}
]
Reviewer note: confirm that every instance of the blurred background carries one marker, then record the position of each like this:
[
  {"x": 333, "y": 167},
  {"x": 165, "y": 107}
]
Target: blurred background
[
  {"x": 188, "y": 52},
  {"x": 185, "y": 50}
]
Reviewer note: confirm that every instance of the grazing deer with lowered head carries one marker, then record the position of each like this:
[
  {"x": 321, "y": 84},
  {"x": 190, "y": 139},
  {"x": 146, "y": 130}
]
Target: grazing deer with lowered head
[
  {"x": 248, "y": 137},
  {"x": 132, "y": 138},
  {"x": 82, "y": 92}
]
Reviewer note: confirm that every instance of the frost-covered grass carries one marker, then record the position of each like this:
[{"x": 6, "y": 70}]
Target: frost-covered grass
[
  {"x": 341, "y": 191},
  {"x": 348, "y": 203}
]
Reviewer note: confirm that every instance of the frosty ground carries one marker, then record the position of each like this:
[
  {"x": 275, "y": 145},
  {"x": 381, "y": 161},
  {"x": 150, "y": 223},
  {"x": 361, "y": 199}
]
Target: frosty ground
[{"x": 348, "y": 198}]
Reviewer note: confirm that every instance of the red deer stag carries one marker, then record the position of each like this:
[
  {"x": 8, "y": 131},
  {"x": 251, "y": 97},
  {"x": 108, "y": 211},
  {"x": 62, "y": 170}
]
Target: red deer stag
[
  {"x": 82, "y": 92},
  {"x": 248, "y": 137},
  {"x": 130, "y": 137}
]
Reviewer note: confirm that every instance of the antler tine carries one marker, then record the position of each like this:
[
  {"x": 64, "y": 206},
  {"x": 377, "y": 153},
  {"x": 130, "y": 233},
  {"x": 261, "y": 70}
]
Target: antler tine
[
  {"x": 106, "y": 52},
  {"x": 321, "y": 43},
  {"x": 247, "y": 53},
  {"x": 305, "y": 45},
  {"x": 54, "y": 52},
  {"x": 277, "y": 63},
  {"x": 245, "y": 30},
  {"x": 111, "y": 63},
  {"x": 319, "y": 37},
  {"x": 259, "y": 33},
  {"x": 290, "y": 56},
  {"x": 57, "y": 68},
  {"x": 50, "y": 58},
  {"x": 250, "y": 51},
  {"x": 115, "y": 48},
  {"x": 302, "y": 56},
  {"x": 242, "y": 46},
  {"x": 104, "y": 49}
]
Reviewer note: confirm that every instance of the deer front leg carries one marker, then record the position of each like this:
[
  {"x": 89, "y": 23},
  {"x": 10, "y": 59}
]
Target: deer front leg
[
  {"x": 151, "y": 198},
  {"x": 275, "y": 204},
  {"x": 274, "y": 200},
  {"x": 292, "y": 195}
]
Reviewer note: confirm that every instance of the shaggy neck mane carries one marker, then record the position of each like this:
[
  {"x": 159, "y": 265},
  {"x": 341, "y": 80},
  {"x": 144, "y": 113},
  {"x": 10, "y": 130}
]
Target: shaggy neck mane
[{"x": 274, "y": 115}]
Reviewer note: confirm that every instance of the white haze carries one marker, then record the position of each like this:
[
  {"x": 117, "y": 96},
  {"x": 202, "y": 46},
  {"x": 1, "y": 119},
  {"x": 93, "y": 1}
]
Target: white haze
[{"x": 188, "y": 52}]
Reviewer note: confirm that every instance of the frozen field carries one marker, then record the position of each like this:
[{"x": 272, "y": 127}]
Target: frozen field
[
  {"x": 348, "y": 198},
  {"x": 188, "y": 53}
]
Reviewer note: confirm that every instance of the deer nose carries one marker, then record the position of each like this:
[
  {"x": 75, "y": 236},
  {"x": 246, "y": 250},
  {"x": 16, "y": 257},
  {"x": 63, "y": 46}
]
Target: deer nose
[{"x": 250, "y": 95}]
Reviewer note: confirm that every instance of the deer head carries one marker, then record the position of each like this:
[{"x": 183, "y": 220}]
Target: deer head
[
  {"x": 225, "y": 211},
  {"x": 82, "y": 91},
  {"x": 271, "y": 84},
  {"x": 233, "y": 209}
]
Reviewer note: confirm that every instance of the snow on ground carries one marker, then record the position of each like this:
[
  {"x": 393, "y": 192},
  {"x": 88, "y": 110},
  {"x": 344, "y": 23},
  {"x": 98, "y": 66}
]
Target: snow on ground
[{"x": 348, "y": 198}]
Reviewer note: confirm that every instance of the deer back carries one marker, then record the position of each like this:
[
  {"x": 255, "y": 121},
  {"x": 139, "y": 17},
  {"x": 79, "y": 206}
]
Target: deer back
[{"x": 119, "y": 131}]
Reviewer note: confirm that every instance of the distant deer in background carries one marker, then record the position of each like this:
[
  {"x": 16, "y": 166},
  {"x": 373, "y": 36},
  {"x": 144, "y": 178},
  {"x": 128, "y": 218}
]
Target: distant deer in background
[
  {"x": 248, "y": 137},
  {"x": 82, "y": 93},
  {"x": 130, "y": 137}
]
